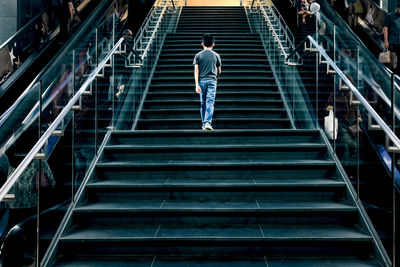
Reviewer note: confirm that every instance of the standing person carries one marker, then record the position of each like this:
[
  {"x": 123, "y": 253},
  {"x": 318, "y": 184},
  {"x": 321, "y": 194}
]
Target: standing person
[
  {"x": 207, "y": 65},
  {"x": 66, "y": 13},
  {"x": 351, "y": 13},
  {"x": 391, "y": 31},
  {"x": 303, "y": 10}
]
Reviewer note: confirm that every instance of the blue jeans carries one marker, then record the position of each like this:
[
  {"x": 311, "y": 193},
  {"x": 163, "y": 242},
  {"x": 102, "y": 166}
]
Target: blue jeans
[{"x": 207, "y": 99}]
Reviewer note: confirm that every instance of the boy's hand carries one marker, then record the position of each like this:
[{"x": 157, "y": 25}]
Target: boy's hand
[{"x": 198, "y": 89}]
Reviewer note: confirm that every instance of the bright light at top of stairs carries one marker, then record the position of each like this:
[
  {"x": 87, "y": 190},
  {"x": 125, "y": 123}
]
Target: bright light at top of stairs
[{"x": 213, "y": 2}]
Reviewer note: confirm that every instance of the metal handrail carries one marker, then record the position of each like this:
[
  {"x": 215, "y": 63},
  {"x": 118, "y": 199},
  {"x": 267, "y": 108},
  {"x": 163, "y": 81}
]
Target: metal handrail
[
  {"x": 139, "y": 37},
  {"x": 297, "y": 48},
  {"x": 141, "y": 31},
  {"x": 154, "y": 32},
  {"x": 20, "y": 31},
  {"x": 43, "y": 139},
  {"x": 392, "y": 136},
  {"x": 285, "y": 28},
  {"x": 273, "y": 31},
  {"x": 378, "y": 90},
  {"x": 277, "y": 15}
]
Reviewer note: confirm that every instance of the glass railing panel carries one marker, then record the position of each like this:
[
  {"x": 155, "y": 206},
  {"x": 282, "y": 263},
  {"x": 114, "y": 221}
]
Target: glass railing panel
[
  {"x": 84, "y": 138},
  {"x": 106, "y": 87},
  {"x": 277, "y": 43},
  {"x": 56, "y": 188},
  {"x": 340, "y": 103},
  {"x": 21, "y": 199},
  {"x": 139, "y": 65},
  {"x": 48, "y": 182},
  {"x": 357, "y": 139},
  {"x": 15, "y": 121},
  {"x": 84, "y": 58},
  {"x": 104, "y": 38},
  {"x": 58, "y": 87},
  {"x": 346, "y": 49}
]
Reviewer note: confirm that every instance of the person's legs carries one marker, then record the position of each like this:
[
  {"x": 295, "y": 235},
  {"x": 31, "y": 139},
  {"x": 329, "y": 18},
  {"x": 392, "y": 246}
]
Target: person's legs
[
  {"x": 350, "y": 15},
  {"x": 211, "y": 91},
  {"x": 396, "y": 49},
  {"x": 203, "y": 96},
  {"x": 347, "y": 144}
]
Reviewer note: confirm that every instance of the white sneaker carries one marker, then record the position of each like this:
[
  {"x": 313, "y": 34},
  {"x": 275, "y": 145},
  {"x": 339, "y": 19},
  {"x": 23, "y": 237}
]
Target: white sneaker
[{"x": 208, "y": 126}]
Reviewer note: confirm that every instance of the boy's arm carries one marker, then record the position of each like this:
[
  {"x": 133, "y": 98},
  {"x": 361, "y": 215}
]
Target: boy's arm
[
  {"x": 219, "y": 70},
  {"x": 196, "y": 78}
]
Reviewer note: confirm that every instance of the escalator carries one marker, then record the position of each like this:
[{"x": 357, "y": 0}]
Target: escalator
[{"x": 20, "y": 125}]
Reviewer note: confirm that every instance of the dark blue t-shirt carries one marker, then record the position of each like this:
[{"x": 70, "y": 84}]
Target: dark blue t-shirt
[
  {"x": 208, "y": 62},
  {"x": 392, "y": 21}
]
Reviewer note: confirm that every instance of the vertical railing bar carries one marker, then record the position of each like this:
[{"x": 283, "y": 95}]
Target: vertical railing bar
[
  {"x": 97, "y": 49},
  {"x": 96, "y": 116},
  {"x": 358, "y": 153},
  {"x": 334, "y": 88},
  {"x": 113, "y": 77},
  {"x": 38, "y": 181},
  {"x": 393, "y": 170}
]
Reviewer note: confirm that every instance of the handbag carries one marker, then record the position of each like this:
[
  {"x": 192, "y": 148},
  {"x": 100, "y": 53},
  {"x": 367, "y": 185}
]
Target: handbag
[
  {"x": 331, "y": 125},
  {"x": 358, "y": 8},
  {"x": 384, "y": 57}
]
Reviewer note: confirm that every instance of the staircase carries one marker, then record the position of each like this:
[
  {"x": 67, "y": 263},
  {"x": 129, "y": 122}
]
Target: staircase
[
  {"x": 254, "y": 192},
  {"x": 247, "y": 95}
]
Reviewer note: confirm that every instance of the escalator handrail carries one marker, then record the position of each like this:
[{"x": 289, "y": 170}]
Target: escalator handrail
[
  {"x": 22, "y": 30},
  {"x": 43, "y": 139},
  {"x": 53, "y": 63}
]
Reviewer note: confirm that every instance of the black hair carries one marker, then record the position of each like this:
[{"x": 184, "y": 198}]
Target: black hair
[{"x": 208, "y": 39}]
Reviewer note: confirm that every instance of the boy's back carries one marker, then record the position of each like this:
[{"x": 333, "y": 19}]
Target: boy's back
[{"x": 208, "y": 61}]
